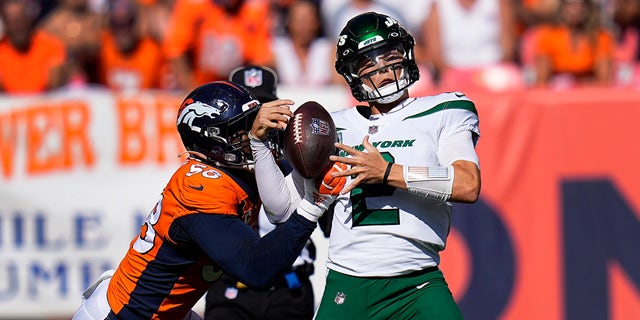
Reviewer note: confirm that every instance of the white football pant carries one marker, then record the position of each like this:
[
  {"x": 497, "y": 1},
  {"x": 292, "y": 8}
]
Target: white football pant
[{"x": 95, "y": 305}]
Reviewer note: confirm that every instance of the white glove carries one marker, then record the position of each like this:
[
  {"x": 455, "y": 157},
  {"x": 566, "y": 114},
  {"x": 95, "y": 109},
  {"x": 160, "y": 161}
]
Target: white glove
[{"x": 315, "y": 203}]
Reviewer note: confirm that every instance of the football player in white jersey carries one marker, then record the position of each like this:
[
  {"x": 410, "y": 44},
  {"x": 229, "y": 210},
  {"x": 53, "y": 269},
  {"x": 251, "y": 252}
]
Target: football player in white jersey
[{"x": 408, "y": 158}]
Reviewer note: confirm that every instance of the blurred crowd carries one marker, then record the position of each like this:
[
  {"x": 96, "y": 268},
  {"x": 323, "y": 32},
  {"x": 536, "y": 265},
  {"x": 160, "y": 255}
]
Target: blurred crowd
[{"x": 130, "y": 45}]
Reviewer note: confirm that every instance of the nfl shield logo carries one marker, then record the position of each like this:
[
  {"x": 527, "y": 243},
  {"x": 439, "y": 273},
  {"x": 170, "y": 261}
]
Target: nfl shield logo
[
  {"x": 373, "y": 129},
  {"x": 231, "y": 293},
  {"x": 253, "y": 78},
  {"x": 320, "y": 127},
  {"x": 340, "y": 296}
]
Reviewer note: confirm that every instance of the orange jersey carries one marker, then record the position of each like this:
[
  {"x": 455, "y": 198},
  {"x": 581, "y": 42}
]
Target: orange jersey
[
  {"x": 220, "y": 42},
  {"x": 142, "y": 69},
  {"x": 164, "y": 273},
  {"x": 29, "y": 72},
  {"x": 578, "y": 58}
]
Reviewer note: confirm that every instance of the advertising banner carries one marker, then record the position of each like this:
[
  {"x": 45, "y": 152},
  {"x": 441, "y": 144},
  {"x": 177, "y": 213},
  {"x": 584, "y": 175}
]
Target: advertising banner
[{"x": 555, "y": 234}]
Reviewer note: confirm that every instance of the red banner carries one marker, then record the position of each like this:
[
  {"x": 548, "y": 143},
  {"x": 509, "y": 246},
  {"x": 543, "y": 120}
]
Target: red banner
[{"x": 560, "y": 200}]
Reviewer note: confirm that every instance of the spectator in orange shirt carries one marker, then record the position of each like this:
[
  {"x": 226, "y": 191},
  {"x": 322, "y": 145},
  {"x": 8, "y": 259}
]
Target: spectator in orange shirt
[
  {"x": 206, "y": 40},
  {"x": 128, "y": 59},
  {"x": 31, "y": 61},
  {"x": 576, "y": 49}
]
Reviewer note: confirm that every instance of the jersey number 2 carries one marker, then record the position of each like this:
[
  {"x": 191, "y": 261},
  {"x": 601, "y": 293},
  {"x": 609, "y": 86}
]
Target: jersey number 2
[{"x": 364, "y": 216}]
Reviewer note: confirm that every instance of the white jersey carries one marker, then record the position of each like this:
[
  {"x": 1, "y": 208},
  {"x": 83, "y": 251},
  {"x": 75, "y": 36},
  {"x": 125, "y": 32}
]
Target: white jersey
[{"x": 381, "y": 231}]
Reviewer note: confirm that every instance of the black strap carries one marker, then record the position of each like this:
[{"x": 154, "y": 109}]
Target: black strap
[{"x": 385, "y": 179}]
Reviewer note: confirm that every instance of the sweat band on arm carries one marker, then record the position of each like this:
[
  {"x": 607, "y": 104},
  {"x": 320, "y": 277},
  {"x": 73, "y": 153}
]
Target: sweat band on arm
[
  {"x": 310, "y": 211},
  {"x": 431, "y": 182}
]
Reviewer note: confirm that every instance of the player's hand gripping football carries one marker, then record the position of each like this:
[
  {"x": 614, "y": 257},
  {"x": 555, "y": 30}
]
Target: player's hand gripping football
[
  {"x": 321, "y": 192},
  {"x": 273, "y": 115}
]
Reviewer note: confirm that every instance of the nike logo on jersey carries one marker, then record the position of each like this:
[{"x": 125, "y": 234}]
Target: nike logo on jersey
[
  {"x": 199, "y": 188},
  {"x": 422, "y": 285}
]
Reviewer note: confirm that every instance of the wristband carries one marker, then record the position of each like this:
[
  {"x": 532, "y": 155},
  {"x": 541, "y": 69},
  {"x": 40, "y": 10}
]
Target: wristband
[
  {"x": 309, "y": 210},
  {"x": 385, "y": 179},
  {"x": 430, "y": 182}
]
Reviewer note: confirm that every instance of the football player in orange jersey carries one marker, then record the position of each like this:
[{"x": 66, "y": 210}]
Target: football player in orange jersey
[{"x": 202, "y": 225}]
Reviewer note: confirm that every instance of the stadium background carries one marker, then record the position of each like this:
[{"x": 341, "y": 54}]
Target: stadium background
[{"x": 555, "y": 235}]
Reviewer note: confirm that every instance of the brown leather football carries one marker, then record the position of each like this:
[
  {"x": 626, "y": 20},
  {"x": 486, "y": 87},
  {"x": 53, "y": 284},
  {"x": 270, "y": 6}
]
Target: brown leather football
[{"x": 310, "y": 139}]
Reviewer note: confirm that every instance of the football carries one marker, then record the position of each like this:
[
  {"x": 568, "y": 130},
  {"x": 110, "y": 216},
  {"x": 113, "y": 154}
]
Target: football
[{"x": 309, "y": 139}]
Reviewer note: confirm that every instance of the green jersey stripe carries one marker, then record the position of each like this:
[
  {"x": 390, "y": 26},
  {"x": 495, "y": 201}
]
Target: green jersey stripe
[{"x": 457, "y": 104}]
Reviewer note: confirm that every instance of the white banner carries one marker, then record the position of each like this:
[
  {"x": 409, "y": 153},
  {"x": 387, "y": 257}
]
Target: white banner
[{"x": 79, "y": 171}]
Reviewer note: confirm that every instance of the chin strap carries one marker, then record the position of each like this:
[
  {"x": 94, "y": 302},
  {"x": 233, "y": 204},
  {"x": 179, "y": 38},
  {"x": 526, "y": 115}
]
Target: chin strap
[
  {"x": 390, "y": 92},
  {"x": 392, "y": 98}
]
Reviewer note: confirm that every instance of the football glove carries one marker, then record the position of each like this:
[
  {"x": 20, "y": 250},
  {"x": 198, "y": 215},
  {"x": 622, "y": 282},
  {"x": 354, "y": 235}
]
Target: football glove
[
  {"x": 327, "y": 184},
  {"x": 321, "y": 192}
]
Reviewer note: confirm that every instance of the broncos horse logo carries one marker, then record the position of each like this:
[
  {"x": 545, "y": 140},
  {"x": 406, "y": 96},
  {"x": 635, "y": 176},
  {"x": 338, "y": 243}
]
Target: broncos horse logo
[{"x": 192, "y": 110}]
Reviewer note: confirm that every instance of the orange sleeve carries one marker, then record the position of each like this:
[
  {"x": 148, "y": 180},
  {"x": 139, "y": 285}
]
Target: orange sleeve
[
  {"x": 211, "y": 195},
  {"x": 197, "y": 187}
]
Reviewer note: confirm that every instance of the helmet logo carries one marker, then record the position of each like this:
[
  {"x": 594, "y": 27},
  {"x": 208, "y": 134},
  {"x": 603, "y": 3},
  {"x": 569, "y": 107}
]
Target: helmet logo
[
  {"x": 196, "y": 110},
  {"x": 370, "y": 41},
  {"x": 390, "y": 21},
  {"x": 342, "y": 40}
]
